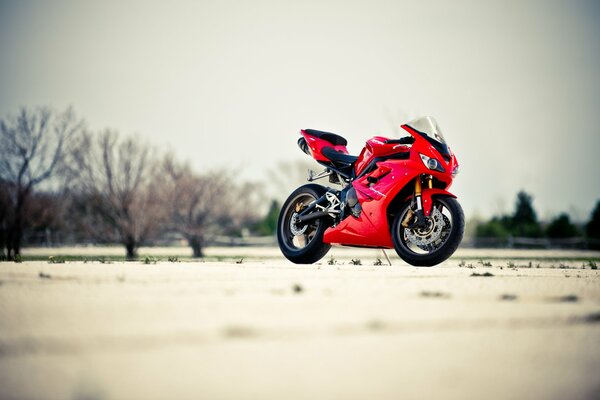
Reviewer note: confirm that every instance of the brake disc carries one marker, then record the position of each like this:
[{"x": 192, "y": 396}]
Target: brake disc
[
  {"x": 294, "y": 228},
  {"x": 423, "y": 237}
]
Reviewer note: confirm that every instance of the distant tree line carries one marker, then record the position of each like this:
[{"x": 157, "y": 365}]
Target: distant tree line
[
  {"x": 524, "y": 223},
  {"x": 59, "y": 178}
]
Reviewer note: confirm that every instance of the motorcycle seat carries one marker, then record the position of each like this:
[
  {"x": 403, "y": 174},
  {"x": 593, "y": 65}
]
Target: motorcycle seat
[
  {"x": 337, "y": 157},
  {"x": 332, "y": 138}
]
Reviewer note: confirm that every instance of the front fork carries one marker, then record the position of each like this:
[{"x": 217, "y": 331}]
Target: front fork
[{"x": 419, "y": 220}]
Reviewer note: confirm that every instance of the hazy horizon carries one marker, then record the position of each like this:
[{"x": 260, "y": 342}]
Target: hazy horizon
[{"x": 514, "y": 86}]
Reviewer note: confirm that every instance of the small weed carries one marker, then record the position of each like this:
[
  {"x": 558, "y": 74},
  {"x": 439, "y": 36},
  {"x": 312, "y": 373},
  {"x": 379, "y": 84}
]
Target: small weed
[
  {"x": 563, "y": 266},
  {"x": 103, "y": 260},
  {"x": 331, "y": 261},
  {"x": 511, "y": 264},
  {"x": 44, "y": 276},
  {"x": 434, "y": 294},
  {"x": 378, "y": 262},
  {"x": 18, "y": 259},
  {"x": 485, "y": 263},
  {"x": 484, "y": 274},
  {"x": 508, "y": 297},
  {"x": 150, "y": 260},
  {"x": 461, "y": 263},
  {"x": 570, "y": 298},
  {"x": 356, "y": 261},
  {"x": 173, "y": 259},
  {"x": 470, "y": 266},
  {"x": 297, "y": 288},
  {"x": 592, "y": 264},
  {"x": 241, "y": 260},
  {"x": 592, "y": 318},
  {"x": 56, "y": 260}
]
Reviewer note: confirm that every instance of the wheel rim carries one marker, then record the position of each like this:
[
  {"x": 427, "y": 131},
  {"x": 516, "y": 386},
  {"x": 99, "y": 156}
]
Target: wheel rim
[
  {"x": 296, "y": 236},
  {"x": 426, "y": 241}
]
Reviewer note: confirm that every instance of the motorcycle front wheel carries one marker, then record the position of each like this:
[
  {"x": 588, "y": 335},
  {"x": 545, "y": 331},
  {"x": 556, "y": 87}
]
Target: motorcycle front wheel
[
  {"x": 430, "y": 245},
  {"x": 301, "y": 243}
]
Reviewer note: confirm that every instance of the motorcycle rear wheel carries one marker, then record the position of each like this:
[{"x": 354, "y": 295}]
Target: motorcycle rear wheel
[
  {"x": 302, "y": 243},
  {"x": 426, "y": 247}
]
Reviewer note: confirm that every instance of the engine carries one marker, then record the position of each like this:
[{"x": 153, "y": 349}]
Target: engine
[{"x": 350, "y": 204}]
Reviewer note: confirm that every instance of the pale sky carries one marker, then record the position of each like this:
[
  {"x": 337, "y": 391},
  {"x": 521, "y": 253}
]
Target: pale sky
[{"x": 515, "y": 85}]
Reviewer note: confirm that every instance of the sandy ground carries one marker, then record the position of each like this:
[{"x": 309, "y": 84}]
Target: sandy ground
[
  {"x": 268, "y": 329},
  {"x": 261, "y": 253}
]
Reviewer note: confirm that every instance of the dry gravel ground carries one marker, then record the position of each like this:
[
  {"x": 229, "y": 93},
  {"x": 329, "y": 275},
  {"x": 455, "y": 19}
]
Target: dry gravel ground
[{"x": 268, "y": 329}]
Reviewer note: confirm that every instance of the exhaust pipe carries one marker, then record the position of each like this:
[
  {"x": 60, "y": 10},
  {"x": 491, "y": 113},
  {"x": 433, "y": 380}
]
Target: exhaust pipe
[{"x": 316, "y": 215}]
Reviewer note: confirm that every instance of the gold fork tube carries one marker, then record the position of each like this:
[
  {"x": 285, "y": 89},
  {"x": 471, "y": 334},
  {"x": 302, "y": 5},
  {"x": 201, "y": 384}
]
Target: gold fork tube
[
  {"x": 418, "y": 186},
  {"x": 418, "y": 193}
]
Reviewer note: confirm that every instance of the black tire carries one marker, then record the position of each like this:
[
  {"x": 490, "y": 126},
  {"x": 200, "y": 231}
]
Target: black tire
[
  {"x": 291, "y": 245},
  {"x": 450, "y": 237}
]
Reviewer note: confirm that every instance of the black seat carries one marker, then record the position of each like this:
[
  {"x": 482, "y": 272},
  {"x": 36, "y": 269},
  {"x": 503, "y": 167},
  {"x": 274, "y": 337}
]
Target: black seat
[
  {"x": 332, "y": 138},
  {"x": 338, "y": 157}
]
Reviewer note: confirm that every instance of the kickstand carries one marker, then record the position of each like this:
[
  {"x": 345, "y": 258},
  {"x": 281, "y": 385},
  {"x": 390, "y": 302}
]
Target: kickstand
[{"x": 386, "y": 257}]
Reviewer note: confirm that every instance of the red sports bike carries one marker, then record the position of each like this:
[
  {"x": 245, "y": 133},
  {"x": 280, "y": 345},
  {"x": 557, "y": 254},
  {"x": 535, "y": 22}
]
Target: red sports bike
[{"x": 394, "y": 195}]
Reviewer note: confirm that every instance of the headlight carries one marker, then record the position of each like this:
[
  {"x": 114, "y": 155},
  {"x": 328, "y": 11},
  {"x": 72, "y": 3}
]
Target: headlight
[
  {"x": 432, "y": 163},
  {"x": 455, "y": 171}
]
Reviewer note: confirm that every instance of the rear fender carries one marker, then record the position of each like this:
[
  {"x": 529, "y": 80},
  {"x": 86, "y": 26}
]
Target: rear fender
[{"x": 427, "y": 195}]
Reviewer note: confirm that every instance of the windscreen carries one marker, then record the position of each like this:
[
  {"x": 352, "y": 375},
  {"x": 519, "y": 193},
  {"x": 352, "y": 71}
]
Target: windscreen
[{"x": 428, "y": 126}]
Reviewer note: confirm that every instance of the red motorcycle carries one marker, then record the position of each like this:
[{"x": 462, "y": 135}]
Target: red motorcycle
[{"x": 394, "y": 195}]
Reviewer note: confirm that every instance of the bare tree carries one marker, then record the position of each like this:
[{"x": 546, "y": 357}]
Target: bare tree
[
  {"x": 33, "y": 144},
  {"x": 5, "y": 206},
  {"x": 116, "y": 179},
  {"x": 202, "y": 206}
]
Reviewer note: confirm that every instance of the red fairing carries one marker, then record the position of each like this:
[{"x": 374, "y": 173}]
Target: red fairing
[
  {"x": 386, "y": 175},
  {"x": 372, "y": 227},
  {"x": 316, "y": 146},
  {"x": 376, "y": 147}
]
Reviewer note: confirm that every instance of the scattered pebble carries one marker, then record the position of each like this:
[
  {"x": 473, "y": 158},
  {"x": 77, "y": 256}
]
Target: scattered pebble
[
  {"x": 375, "y": 325},
  {"x": 296, "y": 288},
  {"x": 239, "y": 332}
]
